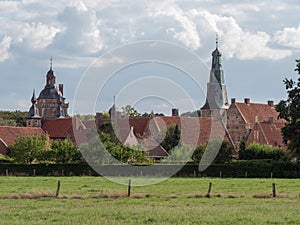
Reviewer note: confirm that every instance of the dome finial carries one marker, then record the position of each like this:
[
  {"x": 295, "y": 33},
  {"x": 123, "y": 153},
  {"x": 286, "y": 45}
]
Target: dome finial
[{"x": 51, "y": 63}]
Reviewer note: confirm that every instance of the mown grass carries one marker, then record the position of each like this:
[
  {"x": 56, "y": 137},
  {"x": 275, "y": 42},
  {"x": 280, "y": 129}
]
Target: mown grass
[{"x": 174, "y": 201}]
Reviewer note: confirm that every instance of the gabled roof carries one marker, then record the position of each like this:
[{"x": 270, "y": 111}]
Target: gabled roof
[
  {"x": 155, "y": 150},
  {"x": 62, "y": 128},
  {"x": 10, "y": 134},
  {"x": 267, "y": 133},
  {"x": 195, "y": 130},
  {"x": 253, "y": 112}
]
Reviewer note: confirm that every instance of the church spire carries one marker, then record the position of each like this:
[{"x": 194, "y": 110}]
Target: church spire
[
  {"x": 216, "y": 74},
  {"x": 50, "y": 77},
  {"x": 33, "y": 119},
  {"x": 216, "y": 98}
]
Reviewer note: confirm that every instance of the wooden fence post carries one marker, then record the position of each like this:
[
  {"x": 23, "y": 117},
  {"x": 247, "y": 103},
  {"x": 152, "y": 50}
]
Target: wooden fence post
[
  {"x": 129, "y": 188},
  {"x": 6, "y": 172},
  {"x": 209, "y": 190},
  {"x": 273, "y": 190},
  {"x": 34, "y": 172},
  {"x": 58, "y": 188}
]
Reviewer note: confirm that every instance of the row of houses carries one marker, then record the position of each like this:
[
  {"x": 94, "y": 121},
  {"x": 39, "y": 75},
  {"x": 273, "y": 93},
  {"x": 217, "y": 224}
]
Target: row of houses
[{"x": 233, "y": 121}]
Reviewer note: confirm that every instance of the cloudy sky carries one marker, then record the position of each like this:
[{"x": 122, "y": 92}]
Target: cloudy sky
[{"x": 259, "y": 40}]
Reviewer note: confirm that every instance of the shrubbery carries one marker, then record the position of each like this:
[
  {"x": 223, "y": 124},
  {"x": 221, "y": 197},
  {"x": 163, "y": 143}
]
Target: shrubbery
[{"x": 257, "y": 151}]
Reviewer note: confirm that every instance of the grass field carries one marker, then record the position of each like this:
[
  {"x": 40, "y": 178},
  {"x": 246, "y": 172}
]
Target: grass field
[{"x": 95, "y": 200}]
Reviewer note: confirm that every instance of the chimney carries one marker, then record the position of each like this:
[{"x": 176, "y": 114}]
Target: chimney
[
  {"x": 61, "y": 89},
  {"x": 271, "y": 120},
  {"x": 271, "y": 103},
  {"x": 232, "y": 100},
  {"x": 175, "y": 112},
  {"x": 247, "y": 100}
]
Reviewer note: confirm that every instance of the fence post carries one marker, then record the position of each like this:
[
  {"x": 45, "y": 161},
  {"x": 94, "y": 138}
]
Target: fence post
[
  {"x": 273, "y": 190},
  {"x": 129, "y": 188},
  {"x": 209, "y": 190},
  {"x": 58, "y": 188},
  {"x": 220, "y": 173},
  {"x": 6, "y": 172},
  {"x": 34, "y": 172}
]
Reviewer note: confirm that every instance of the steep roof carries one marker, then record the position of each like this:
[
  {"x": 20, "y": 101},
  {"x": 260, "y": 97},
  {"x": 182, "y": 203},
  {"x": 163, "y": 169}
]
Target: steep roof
[
  {"x": 195, "y": 130},
  {"x": 267, "y": 133},
  {"x": 62, "y": 128},
  {"x": 252, "y": 112},
  {"x": 10, "y": 134}
]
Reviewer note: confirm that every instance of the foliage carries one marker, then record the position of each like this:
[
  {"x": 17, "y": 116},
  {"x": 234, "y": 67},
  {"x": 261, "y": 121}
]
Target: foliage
[
  {"x": 257, "y": 151},
  {"x": 149, "y": 114},
  {"x": 5, "y": 159},
  {"x": 179, "y": 154},
  {"x": 224, "y": 154},
  {"x": 290, "y": 111},
  {"x": 37, "y": 148},
  {"x": 13, "y": 118},
  {"x": 65, "y": 151},
  {"x": 130, "y": 112},
  {"x": 100, "y": 150},
  {"x": 85, "y": 117},
  {"x": 28, "y": 148},
  {"x": 171, "y": 138},
  {"x": 198, "y": 153}
]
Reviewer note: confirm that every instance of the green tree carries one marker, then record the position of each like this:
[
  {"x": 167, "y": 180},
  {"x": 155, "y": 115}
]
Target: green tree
[
  {"x": 289, "y": 110},
  {"x": 172, "y": 137},
  {"x": 258, "y": 151},
  {"x": 28, "y": 148},
  {"x": 65, "y": 151},
  {"x": 13, "y": 118},
  {"x": 130, "y": 112}
]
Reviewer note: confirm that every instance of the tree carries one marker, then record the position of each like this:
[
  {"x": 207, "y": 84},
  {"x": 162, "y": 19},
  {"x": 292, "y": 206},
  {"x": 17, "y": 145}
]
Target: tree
[
  {"x": 172, "y": 137},
  {"x": 28, "y": 148},
  {"x": 13, "y": 118},
  {"x": 130, "y": 112},
  {"x": 289, "y": 110},
  {"x": 65, "y": 151},
  {"x": 257, "y": 151}
]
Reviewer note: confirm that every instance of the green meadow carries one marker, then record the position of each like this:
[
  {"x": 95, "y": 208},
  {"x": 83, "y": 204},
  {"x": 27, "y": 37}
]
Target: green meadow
[{"x": 96, "y": 200}]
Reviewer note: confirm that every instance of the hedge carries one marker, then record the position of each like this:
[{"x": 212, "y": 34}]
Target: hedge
[{"x": 251, "y": 168}]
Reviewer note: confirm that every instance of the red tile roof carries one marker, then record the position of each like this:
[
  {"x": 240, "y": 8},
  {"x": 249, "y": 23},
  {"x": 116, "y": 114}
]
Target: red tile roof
[
  {"x": 255, "y": 111},
  {"x": 267, "y": 133},
  {"x": 63, "y": 128},
  {"x": 10, "y": 134}
]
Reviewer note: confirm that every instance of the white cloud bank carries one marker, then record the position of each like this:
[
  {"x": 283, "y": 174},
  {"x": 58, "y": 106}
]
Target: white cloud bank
[{"x": 87, "y": 28}]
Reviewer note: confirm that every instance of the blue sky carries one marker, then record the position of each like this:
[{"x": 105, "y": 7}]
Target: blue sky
[{"x": 259, "y": 42}]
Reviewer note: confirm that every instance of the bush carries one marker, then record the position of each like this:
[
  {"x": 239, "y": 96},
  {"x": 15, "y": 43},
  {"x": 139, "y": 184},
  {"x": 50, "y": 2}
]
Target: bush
[{"x": 257, "y": 151}]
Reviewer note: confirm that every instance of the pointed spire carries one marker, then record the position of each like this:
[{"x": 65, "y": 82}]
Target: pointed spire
[
  {"x": 217, "y": 40},
  {"x": 33, "y": 111},
  {"x": 33, "y": 98}
]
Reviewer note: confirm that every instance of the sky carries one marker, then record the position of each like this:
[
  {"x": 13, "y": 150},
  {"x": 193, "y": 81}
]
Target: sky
[{"x": 259, "y": 41}]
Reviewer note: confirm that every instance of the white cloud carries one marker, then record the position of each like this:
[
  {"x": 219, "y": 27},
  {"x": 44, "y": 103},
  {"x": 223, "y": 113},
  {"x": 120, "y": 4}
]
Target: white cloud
[
  {"x": 4, "y": 48},
  {"x": 81, "y": 32},
  {"x": 289, "y": 36},
  {"x": 37, "y": 36}
]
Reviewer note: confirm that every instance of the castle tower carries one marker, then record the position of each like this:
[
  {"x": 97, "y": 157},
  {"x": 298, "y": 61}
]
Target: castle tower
[
  {"x": 51, "y": 99},
  {"x": 216, "y": 99},
  {"x": 33, "y": 119}
]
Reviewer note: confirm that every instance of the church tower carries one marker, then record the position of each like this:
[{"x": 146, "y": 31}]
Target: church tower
[
  {"x": 51, "y": 103},
  {"x": 216, "y": 99},
  {"x": 33, "y": 119}
]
